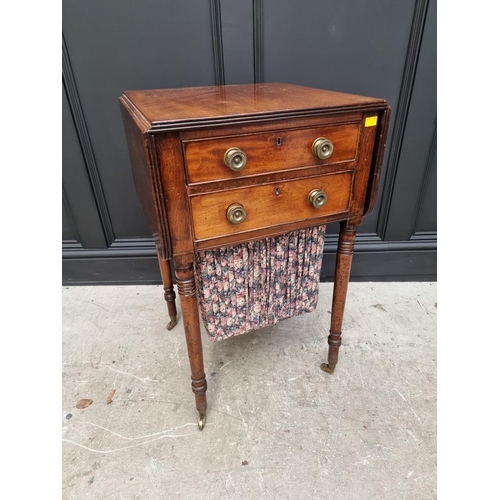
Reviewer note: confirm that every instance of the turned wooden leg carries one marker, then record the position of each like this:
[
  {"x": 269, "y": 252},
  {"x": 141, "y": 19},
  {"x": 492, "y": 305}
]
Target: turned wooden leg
[
  {"x": 168, "y": 288},
  {"x": 186, "y": 287},
  {"x": 345, "y": 251}
]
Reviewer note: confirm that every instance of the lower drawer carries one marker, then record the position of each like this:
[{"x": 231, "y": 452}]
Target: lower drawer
[{"x": 268, "y": 205}]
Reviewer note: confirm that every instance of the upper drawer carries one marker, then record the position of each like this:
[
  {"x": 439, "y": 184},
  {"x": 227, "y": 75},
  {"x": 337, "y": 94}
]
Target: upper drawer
[{"x": 267, "y": 152}]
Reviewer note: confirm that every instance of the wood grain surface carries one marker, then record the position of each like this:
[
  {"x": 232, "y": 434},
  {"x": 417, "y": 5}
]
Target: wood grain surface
[
  {"x": 268, "y": 152},
  {"x": 169, "y": 108},
  {"x": 269, "y": 205}
]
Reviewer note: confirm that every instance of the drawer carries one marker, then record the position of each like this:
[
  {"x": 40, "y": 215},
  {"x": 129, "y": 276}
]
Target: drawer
[
  {"x": 267, "y": 152},
  {"x": 269, "y": 205}
]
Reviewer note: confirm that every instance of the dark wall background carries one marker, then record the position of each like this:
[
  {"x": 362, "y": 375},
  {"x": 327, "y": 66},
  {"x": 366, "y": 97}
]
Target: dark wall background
[{"x": 383, "y": 49}]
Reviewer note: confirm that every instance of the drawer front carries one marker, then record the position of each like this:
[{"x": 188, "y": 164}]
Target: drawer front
[
  {"x": 269, "y": 205},
  {"x": 268, "y": 152}
]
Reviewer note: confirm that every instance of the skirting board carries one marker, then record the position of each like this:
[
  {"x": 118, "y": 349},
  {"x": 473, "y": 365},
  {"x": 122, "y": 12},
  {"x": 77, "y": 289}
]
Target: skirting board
[{"x": 392, "y": 265}]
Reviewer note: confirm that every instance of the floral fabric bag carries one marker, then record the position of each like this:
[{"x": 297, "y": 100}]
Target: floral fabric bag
[{"x": 259, "y": 283}]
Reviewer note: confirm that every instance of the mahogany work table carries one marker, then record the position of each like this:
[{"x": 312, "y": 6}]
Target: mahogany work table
[{"x": 218, "y": 166}]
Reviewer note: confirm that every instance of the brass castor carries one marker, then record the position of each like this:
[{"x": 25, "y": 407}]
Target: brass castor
[
  {"x": 327, "y": 368},
  {"x": 201, "y": 420},
  {"x": 172, "y": 323}
]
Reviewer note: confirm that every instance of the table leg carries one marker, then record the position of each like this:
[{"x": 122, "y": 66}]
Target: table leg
[
  {"x": 186, "y": 287},
  {"x": 168, "y": 288},
  {"x": 345, "y": 252}
]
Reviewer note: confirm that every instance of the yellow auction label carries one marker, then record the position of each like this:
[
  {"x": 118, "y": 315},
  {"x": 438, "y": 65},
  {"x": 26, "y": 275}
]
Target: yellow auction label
[{"x": 371, "y": 121}]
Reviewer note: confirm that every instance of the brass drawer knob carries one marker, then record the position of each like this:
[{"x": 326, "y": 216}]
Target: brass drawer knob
[
  {"x": 236, "y": 213},
  {"x": 235, "y": 159},
  {"x": 317, "y": 198},
  {"x": 322, "y": 148}
]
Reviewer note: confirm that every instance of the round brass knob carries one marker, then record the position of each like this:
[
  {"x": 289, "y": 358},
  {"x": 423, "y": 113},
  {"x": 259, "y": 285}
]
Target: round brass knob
[
  {"x": 235, "y": 159},
  {"x": 235, "y": 213},
  {"x": 317, "y": 198},
  {"x": 322, "y": 148}
]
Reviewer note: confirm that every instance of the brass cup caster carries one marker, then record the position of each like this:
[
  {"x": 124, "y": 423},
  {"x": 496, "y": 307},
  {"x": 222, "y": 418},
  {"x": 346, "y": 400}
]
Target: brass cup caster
[
  {"x": 172, "y": 323},
  {"x": 201, "y": 420},
  {"x": 327, "y": 368}
]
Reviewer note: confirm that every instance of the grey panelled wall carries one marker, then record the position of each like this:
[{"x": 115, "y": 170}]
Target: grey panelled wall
[{"x": 383, "y": 49}]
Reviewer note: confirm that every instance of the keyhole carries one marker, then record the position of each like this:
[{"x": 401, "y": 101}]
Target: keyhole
[
  {"x": 277, "y": 191},
  {"x": 278, "y": 141}
]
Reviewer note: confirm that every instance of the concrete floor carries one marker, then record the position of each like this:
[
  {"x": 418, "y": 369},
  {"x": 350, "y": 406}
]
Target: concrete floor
[{"x": 277, "y": 427}]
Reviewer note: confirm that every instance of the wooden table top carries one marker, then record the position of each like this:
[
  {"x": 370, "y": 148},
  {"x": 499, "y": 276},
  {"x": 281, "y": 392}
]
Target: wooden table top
[{"x": 177, "y": 108}]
